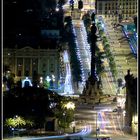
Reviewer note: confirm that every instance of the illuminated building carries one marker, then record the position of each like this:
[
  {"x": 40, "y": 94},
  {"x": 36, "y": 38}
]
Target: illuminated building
[
  {"x": 76, "y": 13},
  {"x": 87, "y": 4},
  {"x": 115, "y": 7},
  {"x": 27, "y": 62}
]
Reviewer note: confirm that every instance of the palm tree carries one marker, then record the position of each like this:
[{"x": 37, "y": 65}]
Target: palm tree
[{"x": 15, "y": 122}]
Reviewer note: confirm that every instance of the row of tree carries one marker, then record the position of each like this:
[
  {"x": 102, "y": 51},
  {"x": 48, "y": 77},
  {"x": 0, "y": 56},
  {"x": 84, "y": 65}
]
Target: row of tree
[{"x": 107, "y": 49}]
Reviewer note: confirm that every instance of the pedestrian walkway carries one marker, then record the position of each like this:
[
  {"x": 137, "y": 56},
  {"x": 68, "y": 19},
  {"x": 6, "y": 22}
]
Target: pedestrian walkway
[{"x": 122, "y": 52}]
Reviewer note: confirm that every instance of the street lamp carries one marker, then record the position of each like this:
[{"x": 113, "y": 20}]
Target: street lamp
[
  {"x": 69, "y": 105},
  {"x": 73, "y": 126},
  {"x": 64, "y": 114},
  {"x": 97, "y": 129},
  {"x": 123, "y": 116},
  {"x": 96, "y": 124}
]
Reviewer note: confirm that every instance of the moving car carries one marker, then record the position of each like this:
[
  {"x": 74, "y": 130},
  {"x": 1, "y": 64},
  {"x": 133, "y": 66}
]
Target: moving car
[
  {"x": 115, "y": 110},
  {"x": 106, "y": 138}
]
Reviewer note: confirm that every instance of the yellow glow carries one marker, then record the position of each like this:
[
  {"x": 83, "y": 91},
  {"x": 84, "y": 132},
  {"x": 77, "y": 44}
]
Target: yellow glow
[
  {"x": 101, "y": 47},
  {"x": 8, "y": 71},
  {"x": 135, "y": 119},
  {"x": 105, "y": 63},
  {"x": 70, "y": 105}
]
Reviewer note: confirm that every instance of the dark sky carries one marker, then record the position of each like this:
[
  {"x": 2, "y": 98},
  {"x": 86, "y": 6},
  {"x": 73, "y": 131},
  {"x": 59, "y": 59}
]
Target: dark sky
[{"x": 21, "y": 20}]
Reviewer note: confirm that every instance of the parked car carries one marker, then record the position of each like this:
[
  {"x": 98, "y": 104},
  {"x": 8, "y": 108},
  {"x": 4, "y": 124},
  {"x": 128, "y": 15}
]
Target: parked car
[
  {"x": 115, "y": 110},
  {"x": 106, "y": 138}
]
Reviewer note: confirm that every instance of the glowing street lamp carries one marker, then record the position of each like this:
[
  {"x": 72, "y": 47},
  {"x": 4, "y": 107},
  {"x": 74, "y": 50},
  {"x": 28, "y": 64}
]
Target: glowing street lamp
[
  {"x": 53, "y": 78},
  {"x": 41, "y": 80},
  {"x": 57, "y": 9},
  {"x": 25, "y": 81},
  {"x": 48, "y": 79},
  {"x": 69, "y": 105},
  {"x": 135, "y": 119}
]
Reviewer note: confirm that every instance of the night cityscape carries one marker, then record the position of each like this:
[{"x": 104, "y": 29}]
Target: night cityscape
[{"x": 69, "y": 70}]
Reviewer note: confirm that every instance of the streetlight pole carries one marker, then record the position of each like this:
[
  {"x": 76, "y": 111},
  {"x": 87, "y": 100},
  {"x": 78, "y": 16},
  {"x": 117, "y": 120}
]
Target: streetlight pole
[
  {"x": 96, "y": 125},
  {"x": 123, "y": 119},
  {"x": 64, "y": 114},
  {"x": 69, "y": 105}
]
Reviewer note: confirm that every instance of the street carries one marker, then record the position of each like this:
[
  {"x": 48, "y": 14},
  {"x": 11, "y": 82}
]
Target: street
[{"x": 101, "y": 116}]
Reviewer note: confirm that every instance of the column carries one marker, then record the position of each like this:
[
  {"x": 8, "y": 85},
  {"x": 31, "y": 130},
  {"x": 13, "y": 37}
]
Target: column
[
  {"x": 23, "y": 73},
  {"x": 15, "y": 66},
  {"x": 31, "y": 72}
]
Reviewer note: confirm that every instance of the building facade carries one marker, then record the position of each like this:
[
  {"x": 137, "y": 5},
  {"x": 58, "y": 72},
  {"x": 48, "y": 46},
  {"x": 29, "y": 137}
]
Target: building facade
[
  {"x": 124, "y": 8},
  {"x": 27, "y": 62}
]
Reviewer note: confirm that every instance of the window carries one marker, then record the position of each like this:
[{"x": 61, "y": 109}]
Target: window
[
  {"x": 133, "y": 11},
  {"x": 19, "y": 73},
  {"x": 34, "y": 72},
  {"x": 100, "y": 6},
  {"x": 44, "y": 72},
  {"x": 26, "y": 73},
  {"x": 44, "y": 65}
]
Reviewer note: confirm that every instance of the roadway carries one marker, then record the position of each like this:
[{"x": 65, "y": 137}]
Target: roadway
[
  {"x": 101, "y": 116},
  {"x": 83, "y": 48},
  {"x": 84, "y": 54},
  {"x": 87, "y": 119}
]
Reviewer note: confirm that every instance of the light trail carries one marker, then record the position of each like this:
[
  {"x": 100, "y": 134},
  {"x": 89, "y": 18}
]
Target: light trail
[
  {"x": 119, "y": 120},
  {"x": 68, "y": 80},
  {"x": 102, "y": 123},
  {"x": 112, "y": 122},
  {"x": 84, "y": 132},
  {"x": 84, "y": 49}
]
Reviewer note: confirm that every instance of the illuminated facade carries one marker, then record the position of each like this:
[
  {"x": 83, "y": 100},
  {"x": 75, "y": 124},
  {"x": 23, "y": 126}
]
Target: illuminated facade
[
  {"x": 115, "y": 7},
  {"x": 28, "y": 62},
  {"x": 87, "y": 5}
]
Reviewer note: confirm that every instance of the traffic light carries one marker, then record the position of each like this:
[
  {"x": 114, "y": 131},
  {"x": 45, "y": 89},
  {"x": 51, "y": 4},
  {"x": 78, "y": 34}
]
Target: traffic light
[
  {"x": 80, "y": 4},
  {"x": 72, "y": 7},
  {"x": 93, "y": 17},
  {"x": 72, "y": 4},
  {"x": 93, "y": 29}
]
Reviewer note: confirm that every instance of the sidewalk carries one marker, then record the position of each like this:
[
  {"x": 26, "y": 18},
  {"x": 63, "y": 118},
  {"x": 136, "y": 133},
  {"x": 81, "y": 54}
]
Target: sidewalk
[{"x": 121, "y": 50}]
